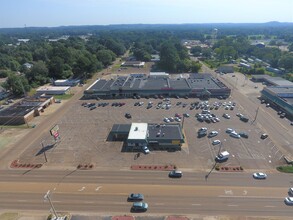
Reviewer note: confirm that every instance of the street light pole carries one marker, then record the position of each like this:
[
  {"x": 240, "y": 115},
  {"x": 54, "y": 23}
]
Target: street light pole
[
  {"x": 47, "y": 198},
  {"x": 44, "y": 151}
]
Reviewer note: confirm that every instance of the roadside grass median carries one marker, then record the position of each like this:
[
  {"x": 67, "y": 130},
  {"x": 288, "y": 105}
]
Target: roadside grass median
[
  {"x": 63, "y": 97},
  {"x": 285, "y": 169}
]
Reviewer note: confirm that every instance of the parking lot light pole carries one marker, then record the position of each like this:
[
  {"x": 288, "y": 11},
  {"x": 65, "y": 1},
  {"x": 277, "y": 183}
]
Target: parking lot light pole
[{"x": 47, "y": 198}]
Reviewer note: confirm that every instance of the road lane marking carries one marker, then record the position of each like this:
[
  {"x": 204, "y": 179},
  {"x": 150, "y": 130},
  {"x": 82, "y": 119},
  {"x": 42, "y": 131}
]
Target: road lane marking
[
  {"x": 232, "y": 205},
  {"x": 270, "y": 206},
  {"x": 88, "y": 202},
  {"x": 228, "y": 192},
  {"x": 81, "y": 189},
  {"x": 196, "y": 204},
  {"x": 21, "y": 200},
  {"x": 260, "y": 197},
  {"x": 99, "y": 187},
  {"x": 159, "y": 203}
]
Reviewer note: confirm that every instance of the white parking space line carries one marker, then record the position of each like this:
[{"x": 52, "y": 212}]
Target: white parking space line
[
  {"x": 196, "y": 204},
  {"x": 159, "y": 203},
  {"x": 232, "y": 205},
  {"x": 270, "y": 206}
]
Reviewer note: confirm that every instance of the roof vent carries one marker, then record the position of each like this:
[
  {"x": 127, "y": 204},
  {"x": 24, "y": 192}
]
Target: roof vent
[{"x": 136, "y": 128}]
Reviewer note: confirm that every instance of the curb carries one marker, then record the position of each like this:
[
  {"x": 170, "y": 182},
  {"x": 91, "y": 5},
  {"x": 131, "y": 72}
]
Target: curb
[{"x": 153, "y": 167}]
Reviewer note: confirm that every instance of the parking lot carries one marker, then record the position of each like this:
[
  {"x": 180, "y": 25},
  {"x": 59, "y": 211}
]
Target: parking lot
[{"x": 84, "y": 132}]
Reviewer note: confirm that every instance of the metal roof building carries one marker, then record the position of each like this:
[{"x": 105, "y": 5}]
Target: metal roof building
[
  {"x": 197, "y": 85},
  {"x": 281, "y": 97}
]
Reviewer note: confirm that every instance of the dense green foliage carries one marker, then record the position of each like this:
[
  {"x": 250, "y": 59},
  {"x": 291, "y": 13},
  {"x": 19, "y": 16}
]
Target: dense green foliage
[{"x": 80, "y": 58}]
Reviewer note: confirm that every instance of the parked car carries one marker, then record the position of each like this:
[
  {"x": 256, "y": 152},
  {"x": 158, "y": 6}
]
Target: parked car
[
  {"x": 213, "y": 134},
  {"x": 264, "y": 136},
  {"x": 215, "y": 142},
  {"x": 259, "y": 176},
  {"x": 139, "y": 207},
  {"x": 226, "y": 116},
  {"x": 175, "y": 174},
  {"x": 229, "y": 130},
  {"x": 244, "y": 135},
  {"x": 145, "y": 150},
  {"x": 127, "y": 115},
  {"x": 135, "y": 197},
  {"x": 234, "y": 134}
]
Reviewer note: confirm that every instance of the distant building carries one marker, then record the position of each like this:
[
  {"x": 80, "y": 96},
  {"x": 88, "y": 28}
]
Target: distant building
[
  {"x": 25, "y": 110},
  {"x": 244, "y": 65},
  {"x": 133, "y": 64},
  {"x": 281, "y": 97},
  {"x": 155, "y": 58},
  {"x": 28, "y": 65},
  {"x": 159, "y": 75},
  {"x": 226, "y": 69},
  {"x": 274, "y": 70},
  {"x": 53, "y": 90},
  {"x": 66, "y": 82},
  {"x": 271, "y": 81}
]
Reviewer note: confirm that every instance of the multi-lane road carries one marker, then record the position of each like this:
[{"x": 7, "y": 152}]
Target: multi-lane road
[{"x": 106, "y": 192}]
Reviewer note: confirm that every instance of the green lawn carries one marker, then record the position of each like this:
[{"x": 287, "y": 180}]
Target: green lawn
[
  {"x": 63, "y": 97},
  {"x": 285, "y": 169}
]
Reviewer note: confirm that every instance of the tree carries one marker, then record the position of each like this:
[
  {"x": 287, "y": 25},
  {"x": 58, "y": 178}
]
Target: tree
[
  {"x": 106, "y": 57},
  {"x": 38, "y": 74},
  {"x": 169, "y": 57},
  {"x": 18, "y": 85},
  {"x": 286, "y": 61},
  {"x": 56, "y": 67}
]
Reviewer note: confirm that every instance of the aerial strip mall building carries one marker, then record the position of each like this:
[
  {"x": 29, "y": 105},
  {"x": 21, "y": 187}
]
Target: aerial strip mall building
[{"x": 196, "y": 85}]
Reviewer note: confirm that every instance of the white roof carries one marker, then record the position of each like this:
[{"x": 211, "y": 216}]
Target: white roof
[
  {"x": 138, "y": 131},
  {"x": 53, "y": 88}
]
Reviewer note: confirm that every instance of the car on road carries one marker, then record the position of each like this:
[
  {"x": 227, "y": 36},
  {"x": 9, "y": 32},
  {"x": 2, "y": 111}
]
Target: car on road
[
  {"x": 289, "y": 200},
  {"x": 264, "y": 136},
  {"x": 145, "y": 150},
  {"x": 175, "y": 174},
  {"x": 215, "y": 142},
  {"x": 213, "y": 134},
  {"x": 259, "y": 176},
  {"x": 186, "y": 115},
  {"x": 139, "y": 207},
  {"x": 135, "y": 197}
]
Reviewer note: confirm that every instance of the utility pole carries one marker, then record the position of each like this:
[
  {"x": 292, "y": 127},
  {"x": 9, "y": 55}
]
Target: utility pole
[
  {"x": 47, "y": 198},
  {"x": 256, "y": 113}
]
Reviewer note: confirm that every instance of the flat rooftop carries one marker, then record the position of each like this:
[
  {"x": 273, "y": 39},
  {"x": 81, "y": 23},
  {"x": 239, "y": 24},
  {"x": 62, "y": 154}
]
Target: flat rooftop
[
  {"x": 165, "y": 132},
  {"x": 143, "y": 83},
  {"x": 138, "y": 131}
]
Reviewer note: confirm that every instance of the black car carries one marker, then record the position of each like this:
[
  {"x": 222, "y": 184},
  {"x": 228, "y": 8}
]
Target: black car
[
  {"x": 135, "y": 197},
  {"x": 127, "y": 115},
  {"x": 244, "y": 135}
]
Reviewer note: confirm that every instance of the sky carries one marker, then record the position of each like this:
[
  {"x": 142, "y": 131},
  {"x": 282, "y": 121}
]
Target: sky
[{"x": 52, "y": 13}]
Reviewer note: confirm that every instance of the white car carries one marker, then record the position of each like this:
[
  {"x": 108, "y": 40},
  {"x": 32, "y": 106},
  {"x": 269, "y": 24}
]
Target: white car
[
  {"x": 215, "y": 142},
  {"x": 146, "y": 150},
  {"x": 213, "y": 134},
  {"x": 166, "y": 120},
  {"x": 202, "y": 129},
  {"x": 290, "y": 191},
  {"x": 259, "y": 175},
  {"x": 234, "y": 134},
  {"x": 289, "y": 200}
]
